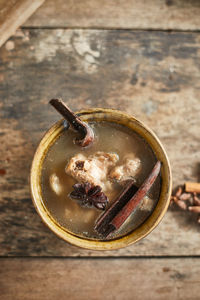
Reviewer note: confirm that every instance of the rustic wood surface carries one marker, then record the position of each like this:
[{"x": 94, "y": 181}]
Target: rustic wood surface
[
  {"x": 133, "y": 14},
  {"x": 152, "y": 75},
  {"x": 98, "y": 279},
  {"x": 14, "y": 13}
]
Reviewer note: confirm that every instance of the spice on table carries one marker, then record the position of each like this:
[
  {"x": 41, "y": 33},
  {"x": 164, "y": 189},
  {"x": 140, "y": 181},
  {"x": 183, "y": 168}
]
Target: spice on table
[
  {"x": 193, "y": 187},
  {"x": 125, "y": 204},
  {"x": 86, "y": 132},
  {"x": 187, "y": 197},
  {"x": 89, "y": 195}
]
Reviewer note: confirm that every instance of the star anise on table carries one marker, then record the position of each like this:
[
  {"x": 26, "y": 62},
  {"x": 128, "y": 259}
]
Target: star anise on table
[
  {"x": 89, "y": 195},
  {"x": 186, "y": 200}
]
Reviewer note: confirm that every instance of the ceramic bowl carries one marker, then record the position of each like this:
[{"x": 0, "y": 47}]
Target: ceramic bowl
[{"x": 150, "y": 223}]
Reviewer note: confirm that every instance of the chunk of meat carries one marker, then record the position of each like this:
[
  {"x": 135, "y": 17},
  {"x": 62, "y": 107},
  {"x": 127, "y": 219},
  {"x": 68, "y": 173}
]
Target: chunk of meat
[
  {"x": 94, "y": 168},
  {"x": 131, "y": 166},
  {"x": 146, "y": 204}
]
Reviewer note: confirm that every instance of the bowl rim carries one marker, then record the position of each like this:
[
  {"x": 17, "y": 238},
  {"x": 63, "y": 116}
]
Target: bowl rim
[{"x": 132, "y": 237}]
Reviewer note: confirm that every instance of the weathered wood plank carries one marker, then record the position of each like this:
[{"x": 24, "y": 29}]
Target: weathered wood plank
[
  {"x": 100, "y": 279},
  {"x": 133, "y": 14},
  {"x": 154, "y": 76},
  {"x": 13, "y": 14}
]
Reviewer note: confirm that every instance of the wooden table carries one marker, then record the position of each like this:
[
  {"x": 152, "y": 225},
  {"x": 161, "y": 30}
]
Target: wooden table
[{"x": 141, "y": 57}]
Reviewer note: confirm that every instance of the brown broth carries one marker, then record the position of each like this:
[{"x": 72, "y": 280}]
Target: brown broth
[{"x": 109, "y": 137}]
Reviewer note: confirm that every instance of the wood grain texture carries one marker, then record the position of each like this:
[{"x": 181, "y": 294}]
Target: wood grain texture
[
  {"x": 100, "y": 279},
  {"x": 132, "y": 14},
  {"x": 14, "y": 13},
  {"x": 152, "y": 75}
]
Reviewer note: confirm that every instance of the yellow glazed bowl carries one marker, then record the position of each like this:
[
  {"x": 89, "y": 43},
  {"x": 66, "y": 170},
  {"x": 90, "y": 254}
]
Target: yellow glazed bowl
[{"x": 100, "y": 114}]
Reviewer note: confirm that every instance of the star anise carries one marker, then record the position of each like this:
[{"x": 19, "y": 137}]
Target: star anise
[{"x": 89, "y": 195}]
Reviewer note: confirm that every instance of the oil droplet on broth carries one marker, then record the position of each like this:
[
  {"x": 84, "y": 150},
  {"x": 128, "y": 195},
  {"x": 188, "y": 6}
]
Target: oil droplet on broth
[{"x": 67, "y": 212}]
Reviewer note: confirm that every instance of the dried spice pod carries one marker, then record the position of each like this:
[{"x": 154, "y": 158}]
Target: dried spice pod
[
  {"x": 196, "y": 201},
  {"x": 187, "y": 198},
  {"x": 86, "y": 132},
  {"x": 179, "y": 191},
  {"x": 181, "y": 204},
  {"x": 89, "y": 195}
]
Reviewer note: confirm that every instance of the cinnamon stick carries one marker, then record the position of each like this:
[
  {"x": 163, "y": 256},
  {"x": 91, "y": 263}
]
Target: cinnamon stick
[
  {"x": 195, "y": 209},
  {"x": 101, "y": 225},
  {"x": 125, "y": 204},
  {"x": 86, "y": 132},
  {"x": 192, "y": 187}
]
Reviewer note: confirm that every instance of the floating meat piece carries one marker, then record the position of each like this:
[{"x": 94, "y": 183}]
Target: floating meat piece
[
  {"x": 130, "y": 167},
  {"x": 146, "y": 204},
  {"x": 55, "y": 184},
  {"x": 93, "y": 169}
]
